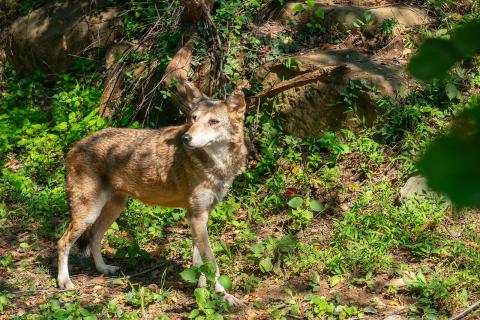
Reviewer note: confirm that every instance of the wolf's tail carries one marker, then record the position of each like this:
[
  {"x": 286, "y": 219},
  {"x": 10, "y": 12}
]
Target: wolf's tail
[{"x": 83, "y": 244}]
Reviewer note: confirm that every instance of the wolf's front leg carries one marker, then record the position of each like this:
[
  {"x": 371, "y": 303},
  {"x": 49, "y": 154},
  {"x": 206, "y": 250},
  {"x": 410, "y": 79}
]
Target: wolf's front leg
[{"x": 202, "y": 252}]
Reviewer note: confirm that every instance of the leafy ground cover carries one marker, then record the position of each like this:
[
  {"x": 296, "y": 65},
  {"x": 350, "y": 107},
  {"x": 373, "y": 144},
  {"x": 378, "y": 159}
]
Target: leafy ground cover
[{"x": 313, "y": 229}]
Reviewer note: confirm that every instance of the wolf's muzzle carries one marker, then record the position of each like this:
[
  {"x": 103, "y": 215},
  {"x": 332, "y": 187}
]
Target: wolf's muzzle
[{"x": 186, "y": 139}]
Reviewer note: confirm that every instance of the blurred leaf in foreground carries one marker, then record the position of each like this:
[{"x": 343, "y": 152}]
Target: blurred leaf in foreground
[
  {"x": 436, "y": 56},
  {"x": 452, "y": 163}
]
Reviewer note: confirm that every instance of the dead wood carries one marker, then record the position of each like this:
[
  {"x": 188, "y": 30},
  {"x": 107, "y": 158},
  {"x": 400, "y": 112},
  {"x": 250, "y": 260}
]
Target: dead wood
[
  {"x": 466, "y": 311},
  {"x": 176, "y": 74},
  {"x": 322, "y": 74},
  {"x": 194, "y": 9}
]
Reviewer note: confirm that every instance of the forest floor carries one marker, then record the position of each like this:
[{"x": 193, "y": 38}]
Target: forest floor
[{"x": 314, "y": 229}]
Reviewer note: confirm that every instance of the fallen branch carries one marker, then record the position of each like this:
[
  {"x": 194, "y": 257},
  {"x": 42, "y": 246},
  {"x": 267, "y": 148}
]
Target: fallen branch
[
  {"x": 298, "y": 81},
  {"x": 103, "y": 283},
  {"x": 466, "y": 311}
]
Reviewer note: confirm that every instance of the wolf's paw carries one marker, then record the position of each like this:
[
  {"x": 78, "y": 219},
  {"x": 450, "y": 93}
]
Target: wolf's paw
[
  {"x": 233, "y": 302},
  {"x": 108, "y": 269},
  {"x": 65, "y": 284}
]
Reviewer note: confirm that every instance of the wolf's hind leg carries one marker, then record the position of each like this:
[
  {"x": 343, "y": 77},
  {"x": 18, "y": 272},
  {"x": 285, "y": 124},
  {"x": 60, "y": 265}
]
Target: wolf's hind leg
[
  {"x": 110, "y": 212},
  {"x": 84, "y": 214}
]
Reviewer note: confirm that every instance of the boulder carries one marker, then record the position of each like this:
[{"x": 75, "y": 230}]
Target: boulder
[
  {"x": 320, "y": 106},
  {"x": 415, "y": 186},
  {"x": 344, "y": 17},
  {"x": 48, "y": 38}
]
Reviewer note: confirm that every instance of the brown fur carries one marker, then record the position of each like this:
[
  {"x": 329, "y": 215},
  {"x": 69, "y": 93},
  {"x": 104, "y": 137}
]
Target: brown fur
[{"x": 154, "y": 166}]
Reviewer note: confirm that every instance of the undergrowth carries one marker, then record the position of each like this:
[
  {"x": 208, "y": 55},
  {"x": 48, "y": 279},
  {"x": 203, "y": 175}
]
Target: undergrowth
[{"x": 321, "y": 212}]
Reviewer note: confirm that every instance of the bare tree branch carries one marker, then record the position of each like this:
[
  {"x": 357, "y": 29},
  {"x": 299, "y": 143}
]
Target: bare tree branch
[{"x": 322, "y": 74}]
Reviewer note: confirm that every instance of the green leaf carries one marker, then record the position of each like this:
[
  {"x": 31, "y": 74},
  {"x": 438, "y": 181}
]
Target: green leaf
[
  {"x": 451, "y": 163},
  {"x": 24, "y": 245},
  {"x": 258, "y": 249},
  {"x": 436, "y": 56},
  {"x": 287, "y": 243},
  {"x": 319, "y": 13},
  {"x": 368, "y": 17},
  {"x": 298, "y": 8},
  {"x": 295, "y": 202},
  {"x": 451, "y": 91},
  {"x": 315, "y": 278},
  {"x": 421, "y": 277},
  {"x": 62, "y": 126},
  {"x": 201, "y": 296},
  {"x": 433, "y": 59},
  {"x": 226, "y": 282},
  {"x": 194, "y": 313},
  {"x": 310, "y": 4},
  {"x": 334, "y": 280},
  {"x": 190, "y": 275},
  {"x": 316, "y": 205},
  {"x": 266, "y": 265}
]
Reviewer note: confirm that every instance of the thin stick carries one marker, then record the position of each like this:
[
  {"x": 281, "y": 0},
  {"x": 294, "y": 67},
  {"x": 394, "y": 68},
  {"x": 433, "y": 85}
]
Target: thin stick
[{"x": 466, "y": 311}]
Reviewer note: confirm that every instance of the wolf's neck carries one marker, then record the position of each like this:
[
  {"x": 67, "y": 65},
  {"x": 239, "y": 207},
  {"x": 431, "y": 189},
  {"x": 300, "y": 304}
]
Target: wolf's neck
[{"x": 219, "y": 153}]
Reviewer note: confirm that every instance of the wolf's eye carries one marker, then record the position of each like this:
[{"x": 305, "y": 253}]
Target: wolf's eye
[
  {"x": 194, "y": 118},
  {"x": 213, "y": 122}
]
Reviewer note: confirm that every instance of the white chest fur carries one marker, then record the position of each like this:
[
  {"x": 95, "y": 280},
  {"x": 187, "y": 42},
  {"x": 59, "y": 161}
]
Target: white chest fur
[{"x": 220, "y": 154}]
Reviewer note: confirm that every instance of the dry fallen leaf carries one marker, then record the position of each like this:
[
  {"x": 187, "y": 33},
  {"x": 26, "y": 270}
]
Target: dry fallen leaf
[{"x": 100, "y": 278}]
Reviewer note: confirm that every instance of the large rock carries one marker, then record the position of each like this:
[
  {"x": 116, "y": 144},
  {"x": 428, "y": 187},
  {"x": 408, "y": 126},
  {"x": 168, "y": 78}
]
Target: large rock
[
  {"x": 344, "y": 17},
  {"x": 316, "y": 107},
  {"x": 50, "y": 37}
]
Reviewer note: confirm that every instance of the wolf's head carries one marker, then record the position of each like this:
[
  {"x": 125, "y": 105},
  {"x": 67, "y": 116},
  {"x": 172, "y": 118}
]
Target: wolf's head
[{"x": 212, "y": 121}]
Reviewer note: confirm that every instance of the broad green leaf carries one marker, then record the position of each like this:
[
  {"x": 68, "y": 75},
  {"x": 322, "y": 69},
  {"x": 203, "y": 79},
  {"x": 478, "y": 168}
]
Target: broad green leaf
[
  {"x": 436, "y": 56},
  {"x": 295, "y": 202},
  {"x": 287, "y": 243},
  {"x": 201, "y": 295},
  {"x": 310, "y": 4},
  {"x": 24, "y": 245},
  {"x": 451, "y": 91},
  {"x": 258, "y": 248},
  {"x": 452, "y": 162},
  {"x": 316, "y": 205},
  {"x": 433, "y": 59},
  {"x": 190, "y": 275},
  {"x": 266, "y": 265},
  {"x": 421, "y": 277},
  {"x": 194, "y": 314},
  {"x": 319, "y": 13},
  {"x": 298, "y": 8},
  {"x": 226, "y": 282},
  {"x": 334, "y": 280}
]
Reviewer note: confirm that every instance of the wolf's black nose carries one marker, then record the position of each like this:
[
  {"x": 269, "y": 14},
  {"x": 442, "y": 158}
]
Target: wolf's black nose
[{"x": 186, "y": 138}]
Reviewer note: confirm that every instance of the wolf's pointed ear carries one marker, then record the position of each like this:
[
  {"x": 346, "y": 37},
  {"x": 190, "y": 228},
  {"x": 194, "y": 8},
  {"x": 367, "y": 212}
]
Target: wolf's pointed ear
[
  {"x": 236, "y": 102},
  {"x": 194, "y": 95}
]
